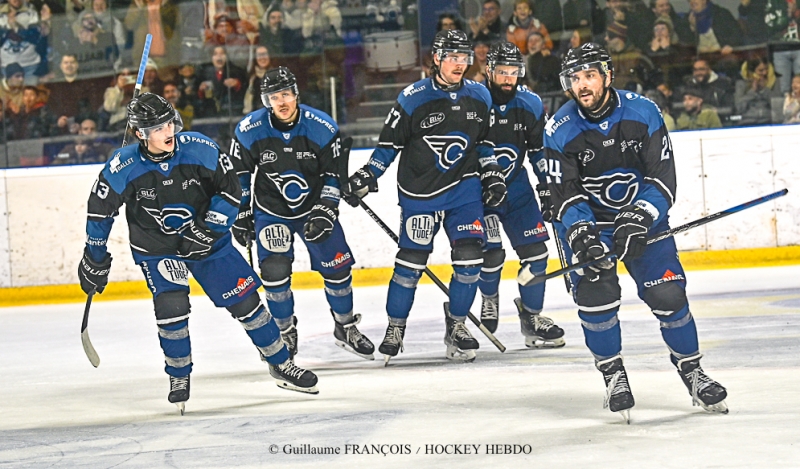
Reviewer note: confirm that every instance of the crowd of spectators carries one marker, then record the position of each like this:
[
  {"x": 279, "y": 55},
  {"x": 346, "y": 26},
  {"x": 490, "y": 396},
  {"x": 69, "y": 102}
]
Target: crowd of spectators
[{"x": 70, "y": 64}]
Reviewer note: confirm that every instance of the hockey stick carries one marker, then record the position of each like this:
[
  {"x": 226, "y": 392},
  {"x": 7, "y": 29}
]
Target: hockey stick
[
  {"x": 88, "y": 348},
  {"x": 561, "y": 258},
  {"x": 526, "y": 277}
]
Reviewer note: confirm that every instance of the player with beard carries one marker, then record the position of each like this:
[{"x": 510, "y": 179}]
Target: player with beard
[
  {"x": 517, "y": 122},
  {"x": 181, "y": 196},
  {"x": 612, "y": 179},
  {"x": 447, "y": 169}
]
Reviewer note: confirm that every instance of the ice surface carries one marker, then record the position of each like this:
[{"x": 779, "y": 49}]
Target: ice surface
[{"x": 58, "y": 411}]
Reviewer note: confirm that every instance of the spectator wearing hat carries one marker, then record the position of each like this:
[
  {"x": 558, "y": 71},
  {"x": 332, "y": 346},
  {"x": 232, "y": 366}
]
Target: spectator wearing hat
[
  {"x": 696, "y": 115},
  {"x": 682, "y": 32},
  {"x": 93, "y": 47},
  {"x": 522, "y": 24},
  {"x": 11, "y": 87},
  {"x": 107, "y": 22},
  {"x": 20, "y": 34},
  {"x": 635, "y": 16},
  {"x": 670, "y": 60},
  {"x": 543, "y": 68},
  {"x": 151, "y": 83},
  {"x": 280, "y": 40},
  {"x": 632, "y": 69}
]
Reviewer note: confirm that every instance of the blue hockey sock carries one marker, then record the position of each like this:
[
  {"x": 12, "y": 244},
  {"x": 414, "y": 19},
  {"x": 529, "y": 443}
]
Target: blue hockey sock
[
  {"x": 533, "y": 295},
  {"x": 489, "y": 282},
  {"x": 680, "y": 333},
  {"x": 177, "y": 347},
  {"x": 340, "y": 295},
  {"x": 463, "y": 287},
  {"x": 401, "y": 291},
  {"x": 602, "y": 333},
  {"x": 280, "y": 302},
  {"x": 266, "y": 336}
]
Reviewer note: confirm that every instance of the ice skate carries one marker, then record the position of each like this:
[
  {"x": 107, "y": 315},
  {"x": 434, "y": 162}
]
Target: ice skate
[
  {"x": 179, "y": 392},
  {"x": 351, "y": 339},
  {"x": 705, "y": 392},
  {"x": 393, "y": 341},
  {"x": 539, "y": 331},
  {"x": 618, "y": 392},
  {"x": 290, "y": 376},
  {"x": 490, "y": 311},
  {"x": 289, "y": 337},
  {"x": 460, "y": 344}
]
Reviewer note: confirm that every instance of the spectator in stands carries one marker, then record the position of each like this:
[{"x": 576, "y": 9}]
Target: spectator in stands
[
  {"x": 279, "y": 39},
  {"x": 715, "y": 28},
  {"x": 113, "y": 114},
  {"x": 188, "y": 83},
  {"x": 635, "y": 17},
  {"x": 632, "y": 69},
  {"x": 682, "y": 32},
  {"x": 107, "y": 22},
  {"x": 161, "y": 19},
  {"x": 293, "y": 14},
  {"x": 179, "y": 102},
  {"x": 664, "y": 106},
  {"x": 252, "y": 97},
  {"x": 250, "y": 14},
  {"x": 224, "y": 34},
  {"x": 87, "y": 148},
  {"x": 151, "y": 83},
  {"x": 222, "y": 86},
  {"x": 477, "y": 71},
  {"x": 543, "y": 68},
  {"x": 780, "y": 21},
  {"x": 448, "y": 21},
  {"x": 696, "y": 115},
  {"x": 522, "y": 24},
  {"x": 322, "y": 24},
  {"x": 20, "y": 35},
  {"x": 11, "y": 88},
  {"x": 762, "y": 19},
  {"x": 717, "y": 90},
  {"x": 754, "y": 95},
  {"x": 549, "y": 13},
  {"x": 93, "y": 46},
  {"x": 791, "y": 105},
  {"x": 75, "y": 97},
  {"x": 488, "y": 27},
  {"x": 578, "y": 37},
  {"x": 33, "y": 119},
  {"x": 671, "y": 60},
  {"x": 584, "y": 14}
]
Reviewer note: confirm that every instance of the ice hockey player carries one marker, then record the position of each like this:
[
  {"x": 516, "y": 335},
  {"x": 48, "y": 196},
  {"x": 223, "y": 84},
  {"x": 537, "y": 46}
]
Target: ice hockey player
[
  {"x": 295, "y": 150},
  {"x": 517, "y": 122},
  {"x": 181, "y": 195},
  {"x": 612, "y": 179},
  {"x": 447, "y": 170}
]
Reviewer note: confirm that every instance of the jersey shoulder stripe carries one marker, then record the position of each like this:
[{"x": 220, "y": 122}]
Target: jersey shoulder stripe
[
  {"x": 317, "y": 126},
  {"x": 644, "y": 110},
  {"x": 530, "y": 101},
  {"x": 125, "y": 164},
  {"x": 416, "y": 94},
  {"x": 479, "y": 92},
  {"x": 250, "y": 128},
  {"x": 558, "y": 131},
  {"x": 196, "y": 148}
]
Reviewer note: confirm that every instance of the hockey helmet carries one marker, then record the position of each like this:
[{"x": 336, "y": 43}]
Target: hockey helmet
[
  {"x": 505, "y": 53},
  {"x": 149, "y": 112},
  {"x": 585, "y": 57},
  {"x": 452, "y": 41},
  {"x": 275, "y": 80}
]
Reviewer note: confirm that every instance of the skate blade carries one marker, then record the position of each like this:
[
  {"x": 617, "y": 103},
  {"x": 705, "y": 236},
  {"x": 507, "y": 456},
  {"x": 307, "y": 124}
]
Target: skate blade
[
  {"x": 719, "y": 408},
  {"x": 181, "y": 407},
  {"x": 345, "y": 346},
  {"x": 538, "y": 342},
  {"x": 626, "y": 415},
  {"x": 456, "y": 354},
  {"x": 291, "y": 387}
]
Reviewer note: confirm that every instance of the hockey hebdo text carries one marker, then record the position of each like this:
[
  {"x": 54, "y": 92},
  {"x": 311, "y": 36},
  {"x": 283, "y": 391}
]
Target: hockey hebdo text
[{"x": 401, "y": 449}]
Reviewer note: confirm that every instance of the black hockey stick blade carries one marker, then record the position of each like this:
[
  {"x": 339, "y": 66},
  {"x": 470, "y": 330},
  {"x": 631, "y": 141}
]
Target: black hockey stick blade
[
  {"x": 88, "y": 348},
  {"x": 526, "y": 277},
  {"x": 433, "y": 277}
]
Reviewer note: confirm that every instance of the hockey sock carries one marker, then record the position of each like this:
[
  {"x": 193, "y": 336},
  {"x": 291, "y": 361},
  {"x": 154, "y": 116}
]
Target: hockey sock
[
  {"x": 177, "y": 347},
  {"x": 401, "y": 291},
  {"x": 265, "y": 336},
  {"x": 602, "y": 333},
  {"x": 281, "y": 302},
  {"x": 463, "y": 287},
  {"x": 680, "y": 333},
  {"x": 489, "y": 282},
  {"x": 340, "y": 297},
  {"x": 533, "y": 295}
]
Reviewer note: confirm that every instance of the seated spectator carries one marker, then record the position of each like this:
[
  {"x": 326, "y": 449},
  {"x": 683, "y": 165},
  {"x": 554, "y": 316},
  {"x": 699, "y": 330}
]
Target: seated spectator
[
  {"x": 635, "y": 17},
  {"x": 11, "y": 88},
  {"x": 791, "y": 105},
  {"x": 542, "y": 71},
  {"x": 179, "y": 102},
  {"x": 682, "y": 32},
  {"x": 252, "y": 97},
  {"x": 715, "y": 27},
  {"x": 549, "y": 13},
  {"x": 695, "y": 114},
  {"x": 584, "y": 14},
  {"x": 225, "y": 35},
  {"x": 93, "y": 46},
  {"x": 522, "y": 24},
  {"x": 448, "y": 21},
  {"x": 73, "y": 97},
  {"x": 151, "y": 83},
  {"x": 663, "y": 105},
  {"x": 632, "y": 69},
  {"x": 754, "y": 95},
  {"x": 87, "y": 148},
  {"x": 188, "y": 84},
  {"x": 279, "y": 39},
  {"x": 222, "y": 86},
  {"x": 33, "y": 119},
  {"x": 717, "y": 90},
  {"x": 20, "y": 36},
  {"x": 671, "y": 61},
  {"x": 114, "y": 112},
  {"x": 488, "y": 27},
  {"x": 477, "y": 71},
  {"x": 160, "y": 18}
]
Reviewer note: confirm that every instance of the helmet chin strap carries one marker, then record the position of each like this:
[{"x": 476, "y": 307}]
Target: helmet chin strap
[{"x": 155, "y": 157}]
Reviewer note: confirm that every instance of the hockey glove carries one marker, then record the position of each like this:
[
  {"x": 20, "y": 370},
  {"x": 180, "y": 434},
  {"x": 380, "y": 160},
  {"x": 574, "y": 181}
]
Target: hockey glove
[
  {"x": 630, "y": 232},
  {"x": 320, "y": 221},
  {"x": 494, "y": 185},
  {"x": 93, "y": 275},
  {"x": 546, "y": 206},
  {"x": 585, "y": 242},
  {"x": 244, "y": 228},
  {"x": 359, "y": 185},
  {"x": 197, "y": 241}
]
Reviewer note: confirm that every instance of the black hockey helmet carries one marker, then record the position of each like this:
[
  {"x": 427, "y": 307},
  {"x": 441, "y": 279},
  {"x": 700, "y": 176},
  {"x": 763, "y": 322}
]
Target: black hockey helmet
[
  {"x": 277, "y": 79},
  {"x": 589, "y": 55},
  {"x": 505, "y": 53},
  {"x": 150, "y": 111},
  {"x": 452, "y": 41}
]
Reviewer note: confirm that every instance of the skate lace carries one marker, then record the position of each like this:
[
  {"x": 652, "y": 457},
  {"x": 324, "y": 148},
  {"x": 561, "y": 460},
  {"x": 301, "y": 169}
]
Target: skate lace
[
  {"x": 489, "y": 308},
  {"x": 179, "y": 384},
  {"x": 699, "y": 381},
  {"x": 460, "y": 331},
  {"x": 542, "y": 322},
  {"x": 394, "y": 336},
  {"x": 617, "y": 384},
  {"x": 292, "y": 370}
]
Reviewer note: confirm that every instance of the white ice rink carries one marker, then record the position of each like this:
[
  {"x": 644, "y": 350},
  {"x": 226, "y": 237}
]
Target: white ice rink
[{"x": 58, "y": 411}]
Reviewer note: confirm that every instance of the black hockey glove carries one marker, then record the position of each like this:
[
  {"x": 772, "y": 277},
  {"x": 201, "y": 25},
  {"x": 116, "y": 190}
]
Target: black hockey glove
[
  {"x": 93, "y": 275},
  {"x": 320, "y": 221},
  {"x": 244, "y": 228},
  {"x": 585, "y": 242},
  {"x": 546, "y": 206},
  {"x": 630, "y": 232},
  {"x": 359, "y": 185},
  {"x": 494, "y": 185},
  {"x": 196, "y": 241}
]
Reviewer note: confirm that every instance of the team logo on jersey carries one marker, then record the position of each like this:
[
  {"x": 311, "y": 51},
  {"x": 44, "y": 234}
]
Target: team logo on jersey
[
  {"x": 419, "y": 229},
  {"x": 448, "y": 149},
  {"x": 149, "y": 194},
  {"x": 503, "y": 108},
  {"x": 553, "y": 125},
  {"x": 267, "y": 156},
  {"x": 453, "y": 96},
  {"x": 435, "y": 118},
  {"x": 174, "y": 271},
  {"x": 115, "y": 164},
  {"x": 246, "y": 125},
  {"x": 507, "y": 158},
  {"x": 604, "y": 125},
  {"x": 586, "y": 156},
  {"x": 492, "y": 229},
  {"x": 292, "y": 186},
  {"x": 276, "y": 238},
  {"x": 164, "y": 166},
  {"x": 171, "y": 219},
  {"x": 286, "y": 136},
  {"x": 614, "y": 190}
]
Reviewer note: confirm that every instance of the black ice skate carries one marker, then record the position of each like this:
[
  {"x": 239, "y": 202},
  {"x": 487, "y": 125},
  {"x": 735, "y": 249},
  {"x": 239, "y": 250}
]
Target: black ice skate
[
  {"x": 393, "y": 341},
  {"x": 618, "y": 392},
  {"x": 179, "y": 392},
  {"x": 461, "y": 345},
  {"x": 289, "y": 337},
  {"x": 539, "y": 331},
  {"x": 351, "y": 339},
  {"x": 705, "y": 392},
  {"x": 490, "y": 311},
  {"x": 290, "y": 376}
]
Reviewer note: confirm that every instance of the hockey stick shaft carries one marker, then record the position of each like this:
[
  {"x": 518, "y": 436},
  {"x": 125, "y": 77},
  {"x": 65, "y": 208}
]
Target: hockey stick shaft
[
  {"x": 528, "y": 278},
  {"x": 562, "y": 259},
  {"x": 139, "y": 78},
  {"x": 88, "y": 348}
]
